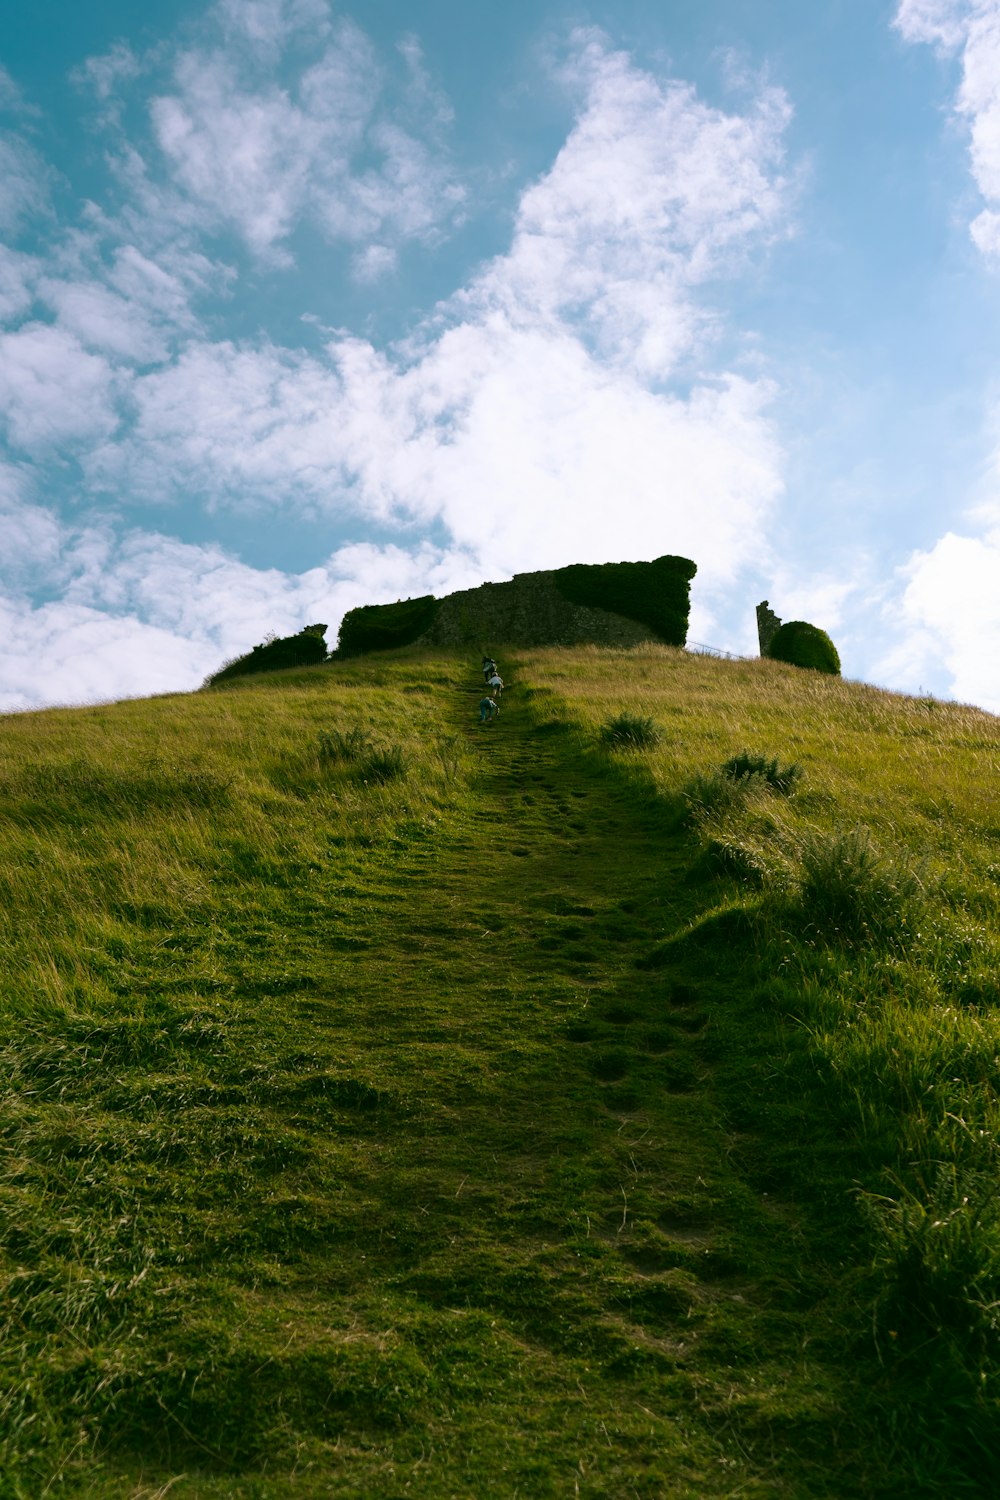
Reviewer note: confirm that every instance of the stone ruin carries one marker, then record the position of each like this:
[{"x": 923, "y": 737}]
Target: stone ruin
[{"x": 768, "y": 625}]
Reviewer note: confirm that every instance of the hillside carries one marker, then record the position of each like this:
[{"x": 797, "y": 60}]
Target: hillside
[{"x": 399, "y": 1106}]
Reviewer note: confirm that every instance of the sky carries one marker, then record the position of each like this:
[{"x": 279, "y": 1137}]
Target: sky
[{"x": 305, "y": 306}]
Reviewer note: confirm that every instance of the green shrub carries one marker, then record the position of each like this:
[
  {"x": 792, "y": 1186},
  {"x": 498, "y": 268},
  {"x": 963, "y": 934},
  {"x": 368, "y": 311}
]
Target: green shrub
[
  {"x": 745, "y": 765},
  {"x": 803, "y": 645},
  {"x": 850, "y": 890},
  {"x": 657, "y": 593},
  {"x": 303, "y": 650},
  {"x": 380, "y": 627},
  {"x": 630, "y": 732}
]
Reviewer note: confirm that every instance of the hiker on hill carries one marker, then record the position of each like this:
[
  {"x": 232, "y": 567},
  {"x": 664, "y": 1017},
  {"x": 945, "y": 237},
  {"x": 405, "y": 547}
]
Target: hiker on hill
[
  {"x": 489, "y": 667},
  {"x": 487, "y": 710},
  {"x": 496, "y": 683}
]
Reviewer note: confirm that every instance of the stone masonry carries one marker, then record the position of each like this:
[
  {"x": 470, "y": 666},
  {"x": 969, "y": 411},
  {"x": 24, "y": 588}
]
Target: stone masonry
[
  {"x": 527, "y": 611},
  {"x": 767, "y": 625}
]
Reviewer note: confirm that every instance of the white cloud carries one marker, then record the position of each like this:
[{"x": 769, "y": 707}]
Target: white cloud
[
  {"x": 942, "y": 23},
  {"x": 143, "y": 613},
  {"x": 972, "y": 26},
  {"x": 24, "y": 182},
  {"x": 52, "y": 390},
  {"x": 266, "y": 25},
  {"x": 649, "y": 195},
  {"x": 251, "y": 424},
  {"x": 947, "y": 607},
  {"x": 16, "y": 276},
  {"x": 104, "y": 76},
  {"x": 259, "y": 156},
  {"x": 526, "y": 424},
  {"x": 12, "y": 97},
  {"x": 949, "y": 615},
  {"x": 374, "y": 262}
]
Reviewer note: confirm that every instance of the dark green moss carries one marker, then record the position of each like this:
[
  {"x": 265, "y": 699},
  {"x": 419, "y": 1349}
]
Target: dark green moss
[
  {"x": 657, "y": 593},
  {"x": 379, "y": 627},
  {"x": 302, "y": 650}
]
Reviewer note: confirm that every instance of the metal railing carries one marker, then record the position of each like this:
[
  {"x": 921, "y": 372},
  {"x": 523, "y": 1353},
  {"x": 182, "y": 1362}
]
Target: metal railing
[{"x": 700, "y": 649}]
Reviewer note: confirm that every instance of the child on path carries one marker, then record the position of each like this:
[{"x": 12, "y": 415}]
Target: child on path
[
  {"x": 496, "y": 683},
  {"x": 489, "y": 667},
  {"x": 487, "y": 710}
]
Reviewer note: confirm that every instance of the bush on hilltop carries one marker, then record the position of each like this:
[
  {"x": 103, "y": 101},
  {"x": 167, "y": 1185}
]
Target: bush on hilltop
[
  {"x": 803, "y": 645},
  {"x": 275, "y": 653}
]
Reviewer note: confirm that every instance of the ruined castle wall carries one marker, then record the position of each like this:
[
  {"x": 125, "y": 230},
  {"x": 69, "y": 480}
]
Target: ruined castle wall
[{"x": 527, "y": 611}]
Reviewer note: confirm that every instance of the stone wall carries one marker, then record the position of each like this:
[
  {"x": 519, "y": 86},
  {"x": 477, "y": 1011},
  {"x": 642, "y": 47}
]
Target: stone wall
[
  {"x": 527, "y": 611},
  {"x": 768, "y": 625}
]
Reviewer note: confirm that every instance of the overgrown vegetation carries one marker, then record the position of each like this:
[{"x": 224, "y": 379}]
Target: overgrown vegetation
[
  {"x": 657, "y": 593},
  {"x": 493, "y": 1128},
  {"x": 803, "y": 645},
  {"x": 380, "y": 627},
  {"x": 276, "y": 653}
]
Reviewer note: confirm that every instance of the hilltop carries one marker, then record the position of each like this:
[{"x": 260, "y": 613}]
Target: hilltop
[{"x": 396, "y": 1105}]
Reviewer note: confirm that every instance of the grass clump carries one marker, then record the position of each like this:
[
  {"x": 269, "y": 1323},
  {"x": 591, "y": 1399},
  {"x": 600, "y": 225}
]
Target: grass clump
[
  {"x": 369, "y": 762},
  {"x": 383, "y": 763},
  {"x": 744, "y": 779},
  {"x": 629, "y": 731},
  {"x": 852, "y": 891},
  {"x": 336, "y": 747},
  {"x": 745, "y": 766}
]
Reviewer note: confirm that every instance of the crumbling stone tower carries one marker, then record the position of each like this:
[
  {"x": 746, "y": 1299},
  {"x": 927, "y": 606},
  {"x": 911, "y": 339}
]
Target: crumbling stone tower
[{"x": 767, "y": 625}]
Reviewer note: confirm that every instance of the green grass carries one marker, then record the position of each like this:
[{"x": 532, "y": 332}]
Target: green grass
[{"x": 398, "y": 1105}]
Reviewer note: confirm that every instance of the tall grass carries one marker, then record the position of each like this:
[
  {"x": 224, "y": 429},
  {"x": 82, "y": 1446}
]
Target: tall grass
[
  {"x": 872, "y": 915},
  {"x": 524, "y": 1119}
]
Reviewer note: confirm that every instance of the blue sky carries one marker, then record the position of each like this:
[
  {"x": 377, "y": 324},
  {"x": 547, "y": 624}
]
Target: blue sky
[{"x": 305, "y": 306}]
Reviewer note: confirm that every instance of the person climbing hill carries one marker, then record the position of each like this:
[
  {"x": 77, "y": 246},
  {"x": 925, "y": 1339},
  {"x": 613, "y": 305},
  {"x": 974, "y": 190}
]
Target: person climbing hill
[
  {"x": 496, "y": 683},
  {"x": 489, "y": 667},
  {"x": 488, "y": 710}
]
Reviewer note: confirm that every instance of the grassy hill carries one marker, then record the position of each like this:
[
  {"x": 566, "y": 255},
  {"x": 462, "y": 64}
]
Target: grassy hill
[{"x": 395, "y": 1106}]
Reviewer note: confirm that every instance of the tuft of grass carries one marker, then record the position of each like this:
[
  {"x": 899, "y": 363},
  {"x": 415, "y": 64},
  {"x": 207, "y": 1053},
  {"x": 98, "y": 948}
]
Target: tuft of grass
[
  {"x": 747, "y": 766},
  {"x": 335, "y": 746},
  {"x": 850, "y": 890},
  {"x": 630, "y": 731},
  {"x": 383, "y": 763}
]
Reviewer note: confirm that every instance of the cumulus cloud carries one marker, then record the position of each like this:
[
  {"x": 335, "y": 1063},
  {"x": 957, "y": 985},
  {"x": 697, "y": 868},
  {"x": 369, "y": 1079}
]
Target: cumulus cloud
[
  {"x": 52, "y": 391},
  {"x": 942, "y": 23},
  {"x": 947, "y": 614},
  {"x": 530, "y": 417},
  {"x": 972, "y": 27},
  {"x": 647, "y": 197},
  {"x": 254, "y": 136}
]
